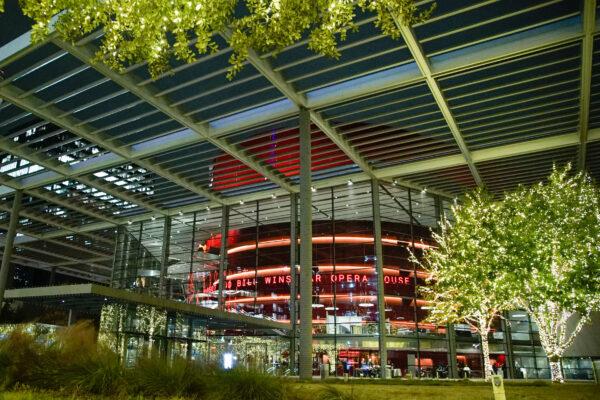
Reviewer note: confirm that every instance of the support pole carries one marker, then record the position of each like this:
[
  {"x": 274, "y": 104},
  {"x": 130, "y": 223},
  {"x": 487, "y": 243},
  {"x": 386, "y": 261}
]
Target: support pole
[
  {"x": 382, "y": 329},
  {"x": 306, "y": 289},
  {"x": 223, "y": 256},
  {"x": 9, "y": 242},
  {"x": 294, "y": 279},
  {"x": 416, "y": 283},
  {"x": 164, "y": 263}
]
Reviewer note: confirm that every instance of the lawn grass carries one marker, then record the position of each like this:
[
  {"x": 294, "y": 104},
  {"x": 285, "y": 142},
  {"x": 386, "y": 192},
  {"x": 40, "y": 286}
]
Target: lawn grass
[
  {"x": 460, "y": 391},
  {"x": 381, "y": 391}
]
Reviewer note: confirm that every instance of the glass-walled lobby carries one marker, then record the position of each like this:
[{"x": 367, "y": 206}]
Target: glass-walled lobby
[{"x": 242, "y": 259}]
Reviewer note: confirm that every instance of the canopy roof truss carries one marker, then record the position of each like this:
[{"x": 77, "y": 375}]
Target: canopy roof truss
[{"x": 486, "y": 93}]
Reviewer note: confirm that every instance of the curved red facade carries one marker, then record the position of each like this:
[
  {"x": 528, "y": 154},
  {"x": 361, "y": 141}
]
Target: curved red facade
[{"x": 258, "y": 276}]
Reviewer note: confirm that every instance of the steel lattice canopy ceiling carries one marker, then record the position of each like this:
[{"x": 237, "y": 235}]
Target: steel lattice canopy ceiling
[{"x": 487, "y": 93}]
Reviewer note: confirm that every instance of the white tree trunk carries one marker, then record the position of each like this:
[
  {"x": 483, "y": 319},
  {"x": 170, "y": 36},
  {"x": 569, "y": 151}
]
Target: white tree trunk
[
  {"x": 556, "y": 371},
  {"x": 485, "y": 349},
  {"x": 552, "y": 324}
]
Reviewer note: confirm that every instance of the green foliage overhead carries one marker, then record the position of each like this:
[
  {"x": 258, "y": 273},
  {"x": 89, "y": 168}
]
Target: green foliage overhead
[{"x": 152, "y": 31}]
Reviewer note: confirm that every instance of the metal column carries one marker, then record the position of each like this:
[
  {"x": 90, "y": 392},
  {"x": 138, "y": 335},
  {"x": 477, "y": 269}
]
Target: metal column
[
  {"x": 294, "y": 279},
  {"x": 9, "y": 242},
  {"x": 223, "y": 256},
  {"x": 164, "y": 263},
  {"x": 452, "y": 369},
  {"x": 416, "y": 282},
  {"x": 306, "y": 289},
  {"x": 380, "y": 283}
]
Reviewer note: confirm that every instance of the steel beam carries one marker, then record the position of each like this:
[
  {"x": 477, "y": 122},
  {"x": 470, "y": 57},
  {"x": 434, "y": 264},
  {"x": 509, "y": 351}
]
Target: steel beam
[
  {"x": 74, "y": 246},
  {"x": 381, "y": 320},
  {"x": 33, "y": 263},
  {"x": 306, "y": 287},
  {"x": 87, "y": 55},
  {"x": 32, "y": 237},
  {"x": 53, "y": 198},
  {"x": 423, "y": 63},
  {"x": 589, "y": 26},
  {"x": 49, "y": 164},
  {"x": 300, "y": 100},
  {"x": 9, "y": 242},
  {"x": 342, "y": 143},
  {"x": 48, "y": 220},
  {"x": 22, "y": 45},
  {"x": 77, "y": 261},
  {"x": 38, "y": 250},
  {"x": 511, "y": 46},
  {"x": 53, "y": 114},
  {"x": 264, "y": 67},
  {"x": 388, "y": 173}
]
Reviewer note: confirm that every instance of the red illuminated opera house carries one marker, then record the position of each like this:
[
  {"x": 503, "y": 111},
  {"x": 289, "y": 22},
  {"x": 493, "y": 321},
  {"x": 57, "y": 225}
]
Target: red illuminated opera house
[{"x": 258, "y": 276}]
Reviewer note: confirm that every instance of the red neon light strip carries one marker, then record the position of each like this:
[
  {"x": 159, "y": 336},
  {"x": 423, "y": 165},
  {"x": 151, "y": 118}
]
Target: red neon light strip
[
  {"x": 359, "y": 298},
  {"x": 324, "y": 240}
]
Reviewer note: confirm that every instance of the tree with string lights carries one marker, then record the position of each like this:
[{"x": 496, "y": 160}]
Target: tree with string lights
[
  {"x": 158, "y": 32},
  {"x": 552, "y": 233},
  {"x": 467, "y": 282}
]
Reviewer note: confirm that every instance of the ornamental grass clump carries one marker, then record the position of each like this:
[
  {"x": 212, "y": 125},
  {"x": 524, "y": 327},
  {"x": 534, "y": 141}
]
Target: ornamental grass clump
[
  {"x": 19, "y": 359},
  {"x": 156, "y": 376},
  {"x": 239, "y": 384},
  {"x": 76, "y": 362}
]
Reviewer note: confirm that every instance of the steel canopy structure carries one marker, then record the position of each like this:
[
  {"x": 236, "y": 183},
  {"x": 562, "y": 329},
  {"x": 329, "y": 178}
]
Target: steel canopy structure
[
  {"x": 487, "y": 93},
  {"x": 90, "y": 298}
]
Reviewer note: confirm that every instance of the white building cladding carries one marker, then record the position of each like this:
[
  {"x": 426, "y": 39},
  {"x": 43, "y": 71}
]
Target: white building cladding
[{"x": 485, "y": 93}]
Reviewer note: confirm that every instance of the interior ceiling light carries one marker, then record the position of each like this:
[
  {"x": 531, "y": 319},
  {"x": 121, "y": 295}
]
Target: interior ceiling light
[{"x": 366, "y": 305}]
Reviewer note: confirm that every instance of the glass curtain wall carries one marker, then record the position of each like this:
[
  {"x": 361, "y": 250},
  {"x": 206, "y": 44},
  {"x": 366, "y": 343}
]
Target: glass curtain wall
[
  {"x": 193, "y": 261},
  {"x": 258, "y": 272},
  {"x": 258, "y": 282},
  {"x": 138, "y": 256},
  {"x": 418, "y": 348}
]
